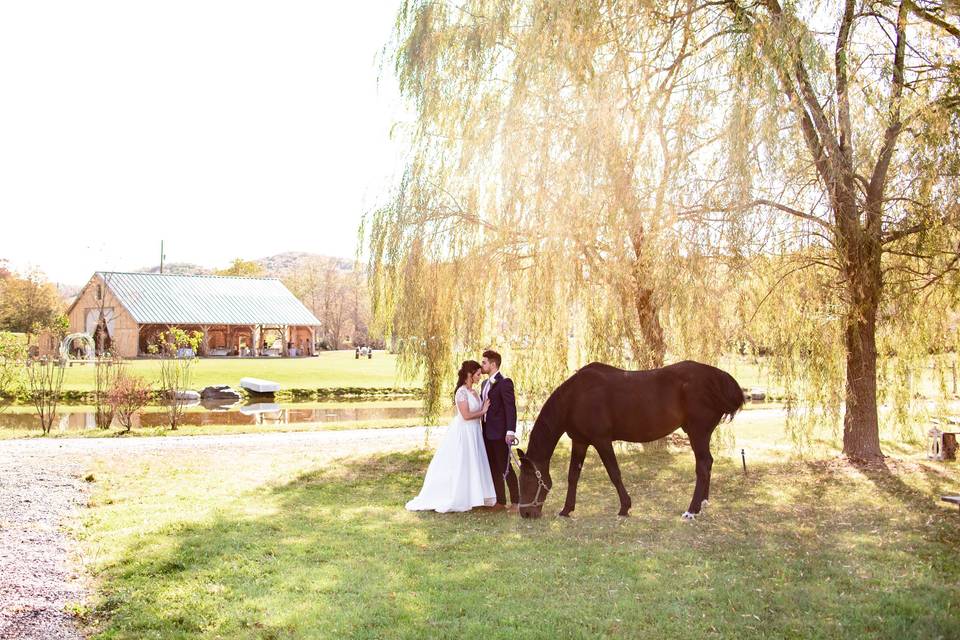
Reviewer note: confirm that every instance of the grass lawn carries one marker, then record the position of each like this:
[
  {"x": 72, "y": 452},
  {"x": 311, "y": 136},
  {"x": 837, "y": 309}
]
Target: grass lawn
[
  {"x": 329, "y": 369},
  {"x": 292, "y": 546}
]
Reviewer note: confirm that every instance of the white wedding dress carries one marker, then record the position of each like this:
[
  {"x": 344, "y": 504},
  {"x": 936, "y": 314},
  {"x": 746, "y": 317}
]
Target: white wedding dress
[{"x": 458, "y": 477}]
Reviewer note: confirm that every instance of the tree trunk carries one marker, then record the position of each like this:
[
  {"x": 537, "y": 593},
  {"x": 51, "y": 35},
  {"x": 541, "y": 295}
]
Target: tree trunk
[
  {"x": 861, "y": 428},
  {"x": 650, "y": 328}
]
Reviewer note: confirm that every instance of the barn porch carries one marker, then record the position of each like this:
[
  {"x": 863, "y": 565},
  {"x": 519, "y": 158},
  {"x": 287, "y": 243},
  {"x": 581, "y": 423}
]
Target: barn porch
[{"x": 240, "y": 341}]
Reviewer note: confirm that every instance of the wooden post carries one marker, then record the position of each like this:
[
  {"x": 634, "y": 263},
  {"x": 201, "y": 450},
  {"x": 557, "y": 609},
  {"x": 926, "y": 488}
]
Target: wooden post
[
  {"x": 313, "y": 340},
  {"x": 285, "y": 333},
  {"x": 205, "y": 341}
]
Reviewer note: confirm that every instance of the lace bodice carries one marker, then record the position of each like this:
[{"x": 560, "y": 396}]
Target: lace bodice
[{"x": 473, "y": 402}]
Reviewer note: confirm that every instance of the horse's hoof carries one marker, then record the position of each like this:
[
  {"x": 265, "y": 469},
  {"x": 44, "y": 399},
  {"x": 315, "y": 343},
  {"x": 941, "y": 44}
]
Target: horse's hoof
[
  {"x": 624, "y": 514},
  {"x": 689, "y": 517},
  {"x": 564, "y": 514}
]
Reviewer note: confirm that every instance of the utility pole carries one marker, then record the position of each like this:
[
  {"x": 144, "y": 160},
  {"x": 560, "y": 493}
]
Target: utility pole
[{"x": 161, "y": 256}]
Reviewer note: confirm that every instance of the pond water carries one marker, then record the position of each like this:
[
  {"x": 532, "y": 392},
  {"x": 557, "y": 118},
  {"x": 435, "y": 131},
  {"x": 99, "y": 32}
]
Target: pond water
[{"x": 251, "y": 413}]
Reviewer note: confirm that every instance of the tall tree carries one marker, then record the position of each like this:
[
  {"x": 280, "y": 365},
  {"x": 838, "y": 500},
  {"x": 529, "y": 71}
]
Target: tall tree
[
  {"x": 846, "y": 120},
  {"x": 549, "y": 141},
  {"x": 575, "y": 161}
]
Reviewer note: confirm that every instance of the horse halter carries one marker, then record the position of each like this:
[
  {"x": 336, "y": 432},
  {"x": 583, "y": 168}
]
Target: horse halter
[{"x": 541, "y": 485}]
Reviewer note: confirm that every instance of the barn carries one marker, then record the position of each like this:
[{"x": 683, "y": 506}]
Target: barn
[{"x": 236, "y": 316}]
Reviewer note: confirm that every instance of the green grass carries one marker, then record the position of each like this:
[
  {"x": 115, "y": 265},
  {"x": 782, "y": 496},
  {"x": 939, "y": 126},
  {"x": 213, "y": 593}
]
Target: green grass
[
  {"x": 329, "y": 369},
  {"x": 286, "y": 546}
]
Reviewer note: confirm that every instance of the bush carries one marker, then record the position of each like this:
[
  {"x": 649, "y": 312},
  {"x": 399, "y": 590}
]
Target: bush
[{"x": 128, "y": 395}]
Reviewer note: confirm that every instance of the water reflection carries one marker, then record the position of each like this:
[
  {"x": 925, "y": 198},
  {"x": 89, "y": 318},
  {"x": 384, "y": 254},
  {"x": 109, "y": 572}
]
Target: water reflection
[{"x": 217, "y": 413}]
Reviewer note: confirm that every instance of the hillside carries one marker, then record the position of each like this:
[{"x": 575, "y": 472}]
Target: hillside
[{"x": 277, "y": 266}]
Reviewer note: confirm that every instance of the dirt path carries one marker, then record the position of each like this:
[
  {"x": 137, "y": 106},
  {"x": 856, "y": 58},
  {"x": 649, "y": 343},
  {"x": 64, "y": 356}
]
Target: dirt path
[{"x": 42, "y": 488}]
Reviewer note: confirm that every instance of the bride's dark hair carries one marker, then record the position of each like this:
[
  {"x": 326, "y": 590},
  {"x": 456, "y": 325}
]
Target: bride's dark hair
[{"x": 468, "y": 368}]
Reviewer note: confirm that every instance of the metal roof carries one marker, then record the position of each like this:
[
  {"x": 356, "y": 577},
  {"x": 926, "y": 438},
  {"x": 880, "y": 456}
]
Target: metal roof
[{"x": 160, "y": 298}]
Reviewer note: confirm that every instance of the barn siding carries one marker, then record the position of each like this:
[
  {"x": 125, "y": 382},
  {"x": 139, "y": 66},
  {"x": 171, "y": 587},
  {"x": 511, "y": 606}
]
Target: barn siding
[{"x": 125, "y": 329}]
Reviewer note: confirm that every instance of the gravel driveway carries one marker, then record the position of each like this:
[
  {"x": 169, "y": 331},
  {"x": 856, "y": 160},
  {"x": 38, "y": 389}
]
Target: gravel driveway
[{"x": 42, "y": 487}]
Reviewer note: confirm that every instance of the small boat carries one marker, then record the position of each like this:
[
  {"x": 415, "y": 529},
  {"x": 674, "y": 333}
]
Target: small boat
[{"x": 256, "y": 385}]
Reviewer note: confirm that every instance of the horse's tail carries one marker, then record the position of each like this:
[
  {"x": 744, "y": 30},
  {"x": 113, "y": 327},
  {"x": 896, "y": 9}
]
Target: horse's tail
[{"x": 724, "y": 392}]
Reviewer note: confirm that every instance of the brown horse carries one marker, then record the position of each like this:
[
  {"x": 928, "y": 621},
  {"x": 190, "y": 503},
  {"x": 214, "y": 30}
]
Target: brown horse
[{"x": 599, "y": 404}]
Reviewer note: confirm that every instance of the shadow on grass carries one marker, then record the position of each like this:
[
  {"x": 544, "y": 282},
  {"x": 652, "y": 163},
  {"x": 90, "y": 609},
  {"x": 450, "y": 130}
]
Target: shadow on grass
[{"x": 805, "y": 550}]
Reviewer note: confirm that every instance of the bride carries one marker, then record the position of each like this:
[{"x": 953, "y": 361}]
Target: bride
[{"x": 458, "y": 477}]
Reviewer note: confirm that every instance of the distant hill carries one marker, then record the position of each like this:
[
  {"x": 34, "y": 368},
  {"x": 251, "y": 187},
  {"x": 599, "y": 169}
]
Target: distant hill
[
  {"x": 276, "y": 266},
  {"x": 289, "y": 262},
  {"x": 179, "y": 268}
]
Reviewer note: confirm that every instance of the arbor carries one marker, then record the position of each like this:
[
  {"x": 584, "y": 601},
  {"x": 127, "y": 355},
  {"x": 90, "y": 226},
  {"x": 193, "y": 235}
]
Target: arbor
[{"x": 633, "y": 169}]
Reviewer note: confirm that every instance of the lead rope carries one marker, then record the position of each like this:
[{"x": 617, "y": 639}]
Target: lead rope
[
  {"x": 541, "y": 485},
  {"x": 512, "y": 457}
]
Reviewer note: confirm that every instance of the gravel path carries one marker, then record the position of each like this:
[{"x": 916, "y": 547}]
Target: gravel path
[{"x": 42, "y": 487}]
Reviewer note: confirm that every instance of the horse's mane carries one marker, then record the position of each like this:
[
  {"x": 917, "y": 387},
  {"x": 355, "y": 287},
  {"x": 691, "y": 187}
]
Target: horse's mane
[{"x": 548, "y": 427}]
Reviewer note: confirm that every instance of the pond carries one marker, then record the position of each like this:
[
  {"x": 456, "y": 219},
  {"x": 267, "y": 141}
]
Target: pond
[{"x": 215, "y": 413}]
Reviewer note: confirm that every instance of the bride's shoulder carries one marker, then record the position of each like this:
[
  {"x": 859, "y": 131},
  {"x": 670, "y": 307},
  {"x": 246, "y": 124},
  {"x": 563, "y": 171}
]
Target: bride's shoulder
[{"x": 461, "y": 394}]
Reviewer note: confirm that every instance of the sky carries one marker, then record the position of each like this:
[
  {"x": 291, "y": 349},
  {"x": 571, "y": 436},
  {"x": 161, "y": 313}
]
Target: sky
[{"x": 226, "y": 129}]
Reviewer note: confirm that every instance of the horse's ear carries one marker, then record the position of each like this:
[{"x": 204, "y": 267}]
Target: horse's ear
[{"x": 520, "y": 453}]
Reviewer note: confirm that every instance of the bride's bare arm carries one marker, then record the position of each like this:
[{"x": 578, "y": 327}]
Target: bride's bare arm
[{"x": 463, "y": 406}]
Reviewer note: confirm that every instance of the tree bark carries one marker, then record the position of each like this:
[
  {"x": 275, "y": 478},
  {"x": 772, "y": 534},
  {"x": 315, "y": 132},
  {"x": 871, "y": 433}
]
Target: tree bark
[
  {"x": 650, "y": 328},
  {"x": 861, "y": 429}
]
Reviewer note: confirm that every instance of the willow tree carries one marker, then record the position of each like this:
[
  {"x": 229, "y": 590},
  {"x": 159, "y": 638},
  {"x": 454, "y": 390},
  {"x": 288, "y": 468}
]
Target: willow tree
[
  {"x": 847, "y": 124},
  {"x": 549, "y": 140}
]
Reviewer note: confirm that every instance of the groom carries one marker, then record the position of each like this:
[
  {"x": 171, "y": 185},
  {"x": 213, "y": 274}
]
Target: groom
[{"x": 499, "y": 426}]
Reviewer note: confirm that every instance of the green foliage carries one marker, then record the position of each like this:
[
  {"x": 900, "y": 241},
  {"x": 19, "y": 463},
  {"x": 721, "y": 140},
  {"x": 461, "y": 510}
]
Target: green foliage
[
  {"x": 240, "y": 267},
  {"x": 13, "y": 352},
  {"x": 534, "y": 216},
  {"x": 29, "y": 303},
  {"x": 637, "y": 182}
]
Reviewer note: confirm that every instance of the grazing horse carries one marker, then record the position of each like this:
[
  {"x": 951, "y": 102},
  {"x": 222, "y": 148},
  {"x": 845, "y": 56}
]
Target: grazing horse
[{"x": 599, "y": 404}]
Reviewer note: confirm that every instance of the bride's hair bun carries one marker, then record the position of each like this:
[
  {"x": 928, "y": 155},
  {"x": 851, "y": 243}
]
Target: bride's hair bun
[{"x": 467, "y": 368}]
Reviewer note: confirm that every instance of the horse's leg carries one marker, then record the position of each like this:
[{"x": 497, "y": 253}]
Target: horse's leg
[
  {"x": 577, "y": 453},
  {"x": 605, "y": 449},
  {"x": 700, "y": 443}
]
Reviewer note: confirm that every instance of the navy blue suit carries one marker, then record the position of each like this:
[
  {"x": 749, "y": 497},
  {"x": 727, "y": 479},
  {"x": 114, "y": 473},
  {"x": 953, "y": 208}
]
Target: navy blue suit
[{"x": 501, "y": 417}]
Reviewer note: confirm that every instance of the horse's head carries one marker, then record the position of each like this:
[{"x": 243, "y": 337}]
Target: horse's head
[{"x": 535, "y": 484}]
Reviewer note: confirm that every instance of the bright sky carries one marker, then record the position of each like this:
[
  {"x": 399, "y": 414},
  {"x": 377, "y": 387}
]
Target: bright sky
[{"x": 227, "y": 129}]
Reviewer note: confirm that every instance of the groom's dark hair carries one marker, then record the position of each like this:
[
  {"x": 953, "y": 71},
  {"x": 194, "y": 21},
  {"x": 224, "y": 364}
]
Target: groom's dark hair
[{"x": 493, "y": 356}]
